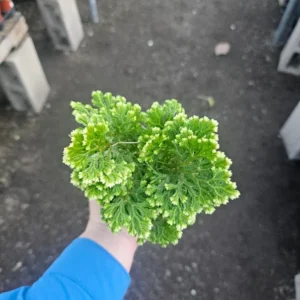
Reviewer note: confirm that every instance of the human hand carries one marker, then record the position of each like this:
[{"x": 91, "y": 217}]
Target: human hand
[{"x": 121, "y": 246}]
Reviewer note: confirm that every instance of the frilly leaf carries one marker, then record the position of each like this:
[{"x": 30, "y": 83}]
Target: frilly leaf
[{"x": 152, "y": 172}]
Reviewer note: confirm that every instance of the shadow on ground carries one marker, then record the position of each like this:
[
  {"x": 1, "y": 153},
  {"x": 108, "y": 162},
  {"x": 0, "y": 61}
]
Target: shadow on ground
[{"x": 246, "y": 250}]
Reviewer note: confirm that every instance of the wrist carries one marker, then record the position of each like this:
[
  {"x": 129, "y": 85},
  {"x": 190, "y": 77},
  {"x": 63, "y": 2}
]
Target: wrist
[{"x": 121, "y": 246}]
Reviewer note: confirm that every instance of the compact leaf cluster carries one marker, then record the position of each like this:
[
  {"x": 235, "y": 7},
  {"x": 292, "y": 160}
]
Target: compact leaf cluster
[{"x": 152, "y": 172}]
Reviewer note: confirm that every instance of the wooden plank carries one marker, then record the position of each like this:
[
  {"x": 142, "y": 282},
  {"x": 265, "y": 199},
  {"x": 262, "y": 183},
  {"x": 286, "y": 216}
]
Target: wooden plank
[{"x": 14, "y": 32}]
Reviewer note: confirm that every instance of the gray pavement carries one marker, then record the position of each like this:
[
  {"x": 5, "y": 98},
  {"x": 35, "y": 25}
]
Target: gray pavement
[{"x": 246, "y": 250}]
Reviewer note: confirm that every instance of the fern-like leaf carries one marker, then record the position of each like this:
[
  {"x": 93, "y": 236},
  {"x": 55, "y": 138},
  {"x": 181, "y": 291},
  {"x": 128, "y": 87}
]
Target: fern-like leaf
[{"x": 152, "y": 172}]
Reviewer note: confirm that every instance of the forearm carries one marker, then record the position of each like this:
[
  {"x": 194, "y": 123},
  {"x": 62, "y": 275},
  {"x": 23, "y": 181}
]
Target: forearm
[{"x": 121, "y": 246}]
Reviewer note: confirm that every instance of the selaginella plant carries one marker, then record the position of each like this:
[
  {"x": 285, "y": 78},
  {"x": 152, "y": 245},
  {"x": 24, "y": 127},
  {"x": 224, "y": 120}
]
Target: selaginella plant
[{"x": 152, "y": 172}]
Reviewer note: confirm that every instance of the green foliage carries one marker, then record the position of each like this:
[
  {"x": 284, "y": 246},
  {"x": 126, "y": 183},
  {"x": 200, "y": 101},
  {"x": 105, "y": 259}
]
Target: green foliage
[{"x": 152, "y": 172}]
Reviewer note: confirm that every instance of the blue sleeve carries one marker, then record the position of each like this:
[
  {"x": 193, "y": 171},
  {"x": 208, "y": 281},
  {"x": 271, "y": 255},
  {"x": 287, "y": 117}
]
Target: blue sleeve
[{"x": 84, "y": 271}]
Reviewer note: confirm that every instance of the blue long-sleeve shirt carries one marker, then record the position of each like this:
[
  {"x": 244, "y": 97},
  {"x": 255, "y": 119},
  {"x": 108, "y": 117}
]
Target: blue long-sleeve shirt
[{"x": 84, "y": 271}]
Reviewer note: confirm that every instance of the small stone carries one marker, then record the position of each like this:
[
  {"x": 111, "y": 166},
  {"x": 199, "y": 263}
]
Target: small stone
[
  {"x": 194, "y": 11},
  {"x": 232, "y": 27},
  {"x": 188, "y": 268},
  {"x": 213, "y": 252},
  {"x": 24, "y": 206},
  {"x": 19, "y": 244},
  {"x": 216, "y": 290},
  {"x": 211, "y": 101},
  {"x": 30, "y": 251},
  {"x": 194, "y": 265},
  {"x": 10, "y": 203},
  {"x": 239, "y": 268},
  {"x": 168, "y": 273},
  {"x": 195, "y": 73},
  {"x": 1, "y": 269},
  {"x": 16, "y": 137},
  {"x": 90, "y": 32},
  {"x": 36, "y": 196},
  {"x": 49, "y": 259},
  {"x": 282, "y": 2},
  {"x": 268, "y": 58},
  {"x": 1, "y": 221},
  {"x": 222, "y": 48},
  {"x": 264, "y": 111},
  {"x": 48, "y": 105},
  {"x": 193, "y": 292},
  {"x": 179, "y": 279},
  {"x": 251, "y": 83},
  {"x": 5, "y": 181},
  {"x": 18, "y": 265},
  {"x": 130, "y": 71},
  {"x": 150, "y": 43}
]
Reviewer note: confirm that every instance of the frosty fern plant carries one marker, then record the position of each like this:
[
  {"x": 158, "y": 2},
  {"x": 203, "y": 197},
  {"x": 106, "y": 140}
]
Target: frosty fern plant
[{"x": 152, "y": 172}]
